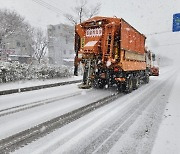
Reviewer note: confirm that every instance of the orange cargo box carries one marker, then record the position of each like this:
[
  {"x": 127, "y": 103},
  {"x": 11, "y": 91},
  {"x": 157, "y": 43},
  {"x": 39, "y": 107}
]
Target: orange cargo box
[
  {"x": 131, "y": 39},
  {"x": 111, "y": 40}
]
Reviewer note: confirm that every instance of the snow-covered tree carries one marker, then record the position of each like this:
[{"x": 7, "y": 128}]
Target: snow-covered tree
[
  {"x": 39, "y": 45},
  {"x": 11, "y": 24},
  {"x": 14, "y": 28}
]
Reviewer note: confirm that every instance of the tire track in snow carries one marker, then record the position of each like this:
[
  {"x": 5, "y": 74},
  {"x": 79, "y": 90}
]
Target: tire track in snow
[
  {"x": 27, "y": 106},
  {"x": 104, "y": 142},
  {"x": 67, "y": 144},
  {"x": 18, "y": 140}
]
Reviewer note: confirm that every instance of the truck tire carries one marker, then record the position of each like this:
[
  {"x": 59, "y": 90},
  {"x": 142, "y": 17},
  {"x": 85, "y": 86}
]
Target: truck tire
[
  {"x": 99, "y": 83},
  {"x": 120, "y": 87},
  {"x": 136, "y": 83},
  {"x": 146, "y": 79},
  {"x": 128, "y": 86}
]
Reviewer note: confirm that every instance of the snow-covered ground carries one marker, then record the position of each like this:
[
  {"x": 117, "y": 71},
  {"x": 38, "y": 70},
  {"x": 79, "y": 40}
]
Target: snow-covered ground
[
  {"x": 62, "y": 102},
  {"x": 103, "y": 130},
  {"x": 30, "y": 83},
  {"x": 168, "y": 138}
]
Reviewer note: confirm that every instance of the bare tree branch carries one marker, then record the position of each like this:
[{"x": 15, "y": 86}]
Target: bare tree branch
[
  {"x": 82, "y": 11},
  {"x": 39, "y": 44},
  {"x": 71, "y": 19},
  {"x": 94, "y": 10}
]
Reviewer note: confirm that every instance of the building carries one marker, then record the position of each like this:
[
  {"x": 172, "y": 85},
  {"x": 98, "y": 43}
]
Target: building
[
  {"x": 61, "y": 44},
  {"x": 16, "y": 48}
]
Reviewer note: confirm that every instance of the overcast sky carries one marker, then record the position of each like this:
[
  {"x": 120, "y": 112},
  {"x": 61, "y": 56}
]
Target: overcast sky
[{"x": 147, "y": 16}]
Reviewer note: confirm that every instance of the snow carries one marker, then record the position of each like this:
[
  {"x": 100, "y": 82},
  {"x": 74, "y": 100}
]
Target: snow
[
  {"x": 30, "y": 83},
  {"x": 89, "y": 134},
  {"x": 168, "y": 138},
  {"x": 92, "y": 122},
  {"x": 61, "y": 105},
  {"x": 68, "y": 60},
  {"x": 108, "y": 63},
  {"x": 140, "y": 136}
]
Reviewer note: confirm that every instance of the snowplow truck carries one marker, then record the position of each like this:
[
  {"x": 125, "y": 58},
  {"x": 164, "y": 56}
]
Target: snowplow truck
[{"x": 111, "y": 52}]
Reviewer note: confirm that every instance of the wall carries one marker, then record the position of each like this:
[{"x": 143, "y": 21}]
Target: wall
[{"x": 61, "y": 43}]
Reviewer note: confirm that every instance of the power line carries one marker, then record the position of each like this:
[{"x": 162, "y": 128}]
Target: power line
[{"x": 48, "y": 6}]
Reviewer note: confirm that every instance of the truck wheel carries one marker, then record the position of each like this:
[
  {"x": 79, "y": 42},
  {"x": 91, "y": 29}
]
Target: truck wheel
[
  {"x": 146, "y": 79},
  {"x": 128, "y": 86},
  {"x": 99, "y": 83},
  {"x": 120, "y": 87},
  {"x": 136, "y": 83}
]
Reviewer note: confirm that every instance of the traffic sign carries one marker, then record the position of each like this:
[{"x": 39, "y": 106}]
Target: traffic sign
[{"x": 176, "y": 22}]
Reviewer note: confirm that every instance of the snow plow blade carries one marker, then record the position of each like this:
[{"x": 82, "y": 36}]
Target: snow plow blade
[{"x": 84, "y": 86}]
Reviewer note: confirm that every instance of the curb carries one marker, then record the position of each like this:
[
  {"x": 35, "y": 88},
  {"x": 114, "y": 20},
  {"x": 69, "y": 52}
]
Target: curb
[{"x": 18, "y": 90}]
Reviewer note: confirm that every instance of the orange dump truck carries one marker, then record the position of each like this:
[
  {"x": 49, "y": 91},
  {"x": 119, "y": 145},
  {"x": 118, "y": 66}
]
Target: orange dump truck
[{"x": 112, "y": 52}]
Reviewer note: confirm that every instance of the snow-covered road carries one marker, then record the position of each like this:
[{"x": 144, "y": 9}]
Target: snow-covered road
[
  {"x": 128, "y": 125},
  {"x": 54, "y": 102},
  {"x": 168, "y": 138}
]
